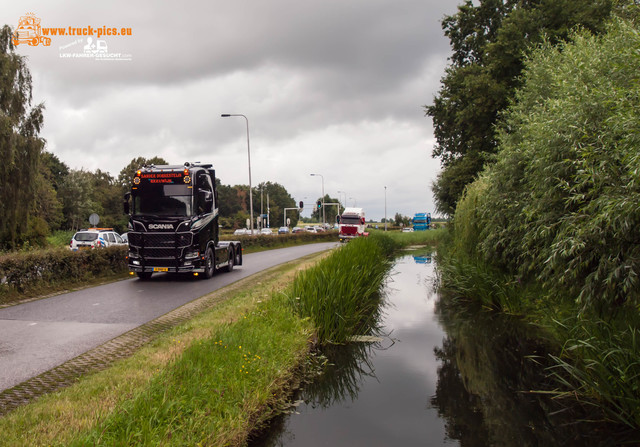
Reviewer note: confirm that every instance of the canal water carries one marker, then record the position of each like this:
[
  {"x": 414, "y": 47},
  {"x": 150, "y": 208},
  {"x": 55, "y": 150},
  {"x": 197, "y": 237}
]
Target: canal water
[{"x": 432, "y": 375}]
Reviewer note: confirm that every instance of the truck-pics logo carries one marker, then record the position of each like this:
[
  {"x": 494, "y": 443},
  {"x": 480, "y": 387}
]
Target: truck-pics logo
[
  {"x": 29, "y": 31},
  {"x": 86, "y": 43}
]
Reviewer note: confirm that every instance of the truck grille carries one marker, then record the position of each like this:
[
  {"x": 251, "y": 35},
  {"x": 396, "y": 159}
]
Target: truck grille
[{"x": 153, "y": 246}]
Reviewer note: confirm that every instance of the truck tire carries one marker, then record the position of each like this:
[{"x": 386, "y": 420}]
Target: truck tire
[
  {"x": 144, "y": 275},
  {"x": 231, "y": 261},
  {"x": 209, "y": 264}
]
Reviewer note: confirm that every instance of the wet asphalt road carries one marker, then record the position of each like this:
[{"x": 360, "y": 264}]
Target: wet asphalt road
[{"x": 37, "y": 336}]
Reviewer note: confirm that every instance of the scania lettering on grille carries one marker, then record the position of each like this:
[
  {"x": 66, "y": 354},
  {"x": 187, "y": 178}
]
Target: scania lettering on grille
[{"x": 160, "y": 227}]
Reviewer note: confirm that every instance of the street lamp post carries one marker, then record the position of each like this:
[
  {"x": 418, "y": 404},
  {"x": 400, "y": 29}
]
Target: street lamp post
[
  {"x": 322, "y": 177},
  {"x": 385, "y": 208},
  {"x": 227, "y": 115},
  {"x": 344, "y": 205}
]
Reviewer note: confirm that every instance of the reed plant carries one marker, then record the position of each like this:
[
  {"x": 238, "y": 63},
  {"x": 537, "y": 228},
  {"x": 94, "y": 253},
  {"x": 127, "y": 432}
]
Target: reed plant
[
  {"x": 341, "y": 293},
  {"x": 600, "y": 362}
]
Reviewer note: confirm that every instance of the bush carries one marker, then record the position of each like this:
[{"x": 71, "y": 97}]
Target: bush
[
  {"x": 26, "y": 273},
  {"x": 561, "y": 205}
]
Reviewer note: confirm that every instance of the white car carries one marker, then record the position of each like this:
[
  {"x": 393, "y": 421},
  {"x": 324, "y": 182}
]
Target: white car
[
  {"x": 95, "y": 238},
  {"x": 267, "y": 231},
  {"x": 241, "y": 231}
]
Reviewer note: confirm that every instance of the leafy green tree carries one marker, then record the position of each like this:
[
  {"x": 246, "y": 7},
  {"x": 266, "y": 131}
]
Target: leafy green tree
[
  {"x": 490, "y": 42},
  {"x": 20, "y": 145},
  {"x": 279, "y": 199},
  {"x": 76, "y": 193},
  {"x": 54, "y": 170},
  {"x": 108, "y": 194},
  {"x": 560, "y": 205},
  {"x": 330, "y": 211}
]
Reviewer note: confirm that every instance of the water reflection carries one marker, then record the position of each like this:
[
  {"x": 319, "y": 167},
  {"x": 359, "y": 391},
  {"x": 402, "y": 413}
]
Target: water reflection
[
  {"x": 491, "y": 385},
  {"x": 376, "y": 394},
  {"x": 440, "y": 375}
]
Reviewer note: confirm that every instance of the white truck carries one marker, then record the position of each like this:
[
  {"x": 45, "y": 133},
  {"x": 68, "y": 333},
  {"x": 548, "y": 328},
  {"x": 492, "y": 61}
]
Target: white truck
[{"x": 351, "y": 224}]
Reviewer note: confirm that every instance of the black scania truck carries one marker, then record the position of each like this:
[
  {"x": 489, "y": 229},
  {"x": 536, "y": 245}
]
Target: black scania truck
[{"x": 173, "y": 222}]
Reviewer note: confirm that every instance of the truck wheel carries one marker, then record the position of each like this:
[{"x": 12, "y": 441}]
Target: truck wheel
[
  {"x": 209, "y": 264},
  {"x": 232, "y": 258},
  {"x": 144, "y": 275}
]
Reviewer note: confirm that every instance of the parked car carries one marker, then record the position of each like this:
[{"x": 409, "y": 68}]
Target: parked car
[
  {"x": 407, "y": 230},
  {"x": 297, "y": 230},
  {"x": 241, "y": 231},
  {"x": 267, "y": 231},
  {"x": 95, "y": 238},
  {"x": 310, "y": 229},
  {"x": 283, "y": 230}
]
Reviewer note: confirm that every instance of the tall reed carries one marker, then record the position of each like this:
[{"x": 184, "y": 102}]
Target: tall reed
[
  {"x": 600, "y": 362},
  {"x": 340, "y": 294}
]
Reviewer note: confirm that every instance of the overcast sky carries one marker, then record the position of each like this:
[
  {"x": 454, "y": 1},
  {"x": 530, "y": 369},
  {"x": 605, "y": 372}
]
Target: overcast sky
[{"x": 333, "y": 87}]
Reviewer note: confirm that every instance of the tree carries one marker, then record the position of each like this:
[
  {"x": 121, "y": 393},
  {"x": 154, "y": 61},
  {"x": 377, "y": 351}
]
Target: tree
[
  {"x": 560, "y": 204},
  {"x": 76, "y": 194},
  {"x": 279, "y": 199},
  {"x": 330, "y": 211},
  {"x": 490, "y": 42},
  {"x": 20, "y": 145}
]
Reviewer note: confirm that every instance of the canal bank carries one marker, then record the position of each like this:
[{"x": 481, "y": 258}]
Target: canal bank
[{"x": 436, "y": 373}]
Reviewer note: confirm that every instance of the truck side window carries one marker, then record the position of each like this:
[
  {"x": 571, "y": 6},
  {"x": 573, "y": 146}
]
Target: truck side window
[{"x": 204, "y": 184}]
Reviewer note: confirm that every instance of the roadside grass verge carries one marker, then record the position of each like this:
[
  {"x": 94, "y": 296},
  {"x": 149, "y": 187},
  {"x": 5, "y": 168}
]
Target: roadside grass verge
[{"x": 210, "y": 380}]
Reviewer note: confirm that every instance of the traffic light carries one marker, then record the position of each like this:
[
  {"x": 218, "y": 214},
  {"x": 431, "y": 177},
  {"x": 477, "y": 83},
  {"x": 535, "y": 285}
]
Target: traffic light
[
  {"x": 301, "y": 205},
  {"x": 319, "y": 203}
]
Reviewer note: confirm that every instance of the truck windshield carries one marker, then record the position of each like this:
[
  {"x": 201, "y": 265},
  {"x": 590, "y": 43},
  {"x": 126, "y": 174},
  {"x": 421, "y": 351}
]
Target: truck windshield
[
  {"x": 163, "y": 200},
  {"x": 350, "y": 220}
]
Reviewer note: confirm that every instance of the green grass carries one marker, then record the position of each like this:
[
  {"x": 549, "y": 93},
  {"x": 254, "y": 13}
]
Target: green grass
[
  {"x": 60, "y": 238},
  {"x": 218, "y": 389},
  {"x": 209, "y": 381},
  {"x": 599, "y": 364},
  {"x": 340, "y": 294}
]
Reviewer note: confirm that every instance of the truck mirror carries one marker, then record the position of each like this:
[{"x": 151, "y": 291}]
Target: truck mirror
[{"x": 125, "y": 204}]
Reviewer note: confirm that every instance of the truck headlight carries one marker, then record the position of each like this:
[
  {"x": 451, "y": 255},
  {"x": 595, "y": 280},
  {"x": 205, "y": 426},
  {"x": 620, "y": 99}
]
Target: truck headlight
[{"x": 192, "y": 254}]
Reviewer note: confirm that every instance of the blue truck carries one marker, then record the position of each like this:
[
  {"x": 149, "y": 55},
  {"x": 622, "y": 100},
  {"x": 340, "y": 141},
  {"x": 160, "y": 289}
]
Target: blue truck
[{"x": 421, "y": 221}]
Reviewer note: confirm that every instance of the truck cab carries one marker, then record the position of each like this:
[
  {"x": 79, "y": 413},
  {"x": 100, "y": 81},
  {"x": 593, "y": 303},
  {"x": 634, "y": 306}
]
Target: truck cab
[
  {"x": 173, "y": 222},
  {"x": 351, "y": 224}
]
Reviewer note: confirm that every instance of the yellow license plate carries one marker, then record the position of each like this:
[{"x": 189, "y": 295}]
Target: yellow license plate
[{"x": 160, "y": 269}]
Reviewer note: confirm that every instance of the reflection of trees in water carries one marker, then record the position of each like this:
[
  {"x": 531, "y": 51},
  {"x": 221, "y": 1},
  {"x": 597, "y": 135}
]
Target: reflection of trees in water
[
  {"x": 490, "y": 365},
  {"x": 340, "y": 372},
  {"x": 334, "y": 375},
  {"x": 347, "y": 367}
]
